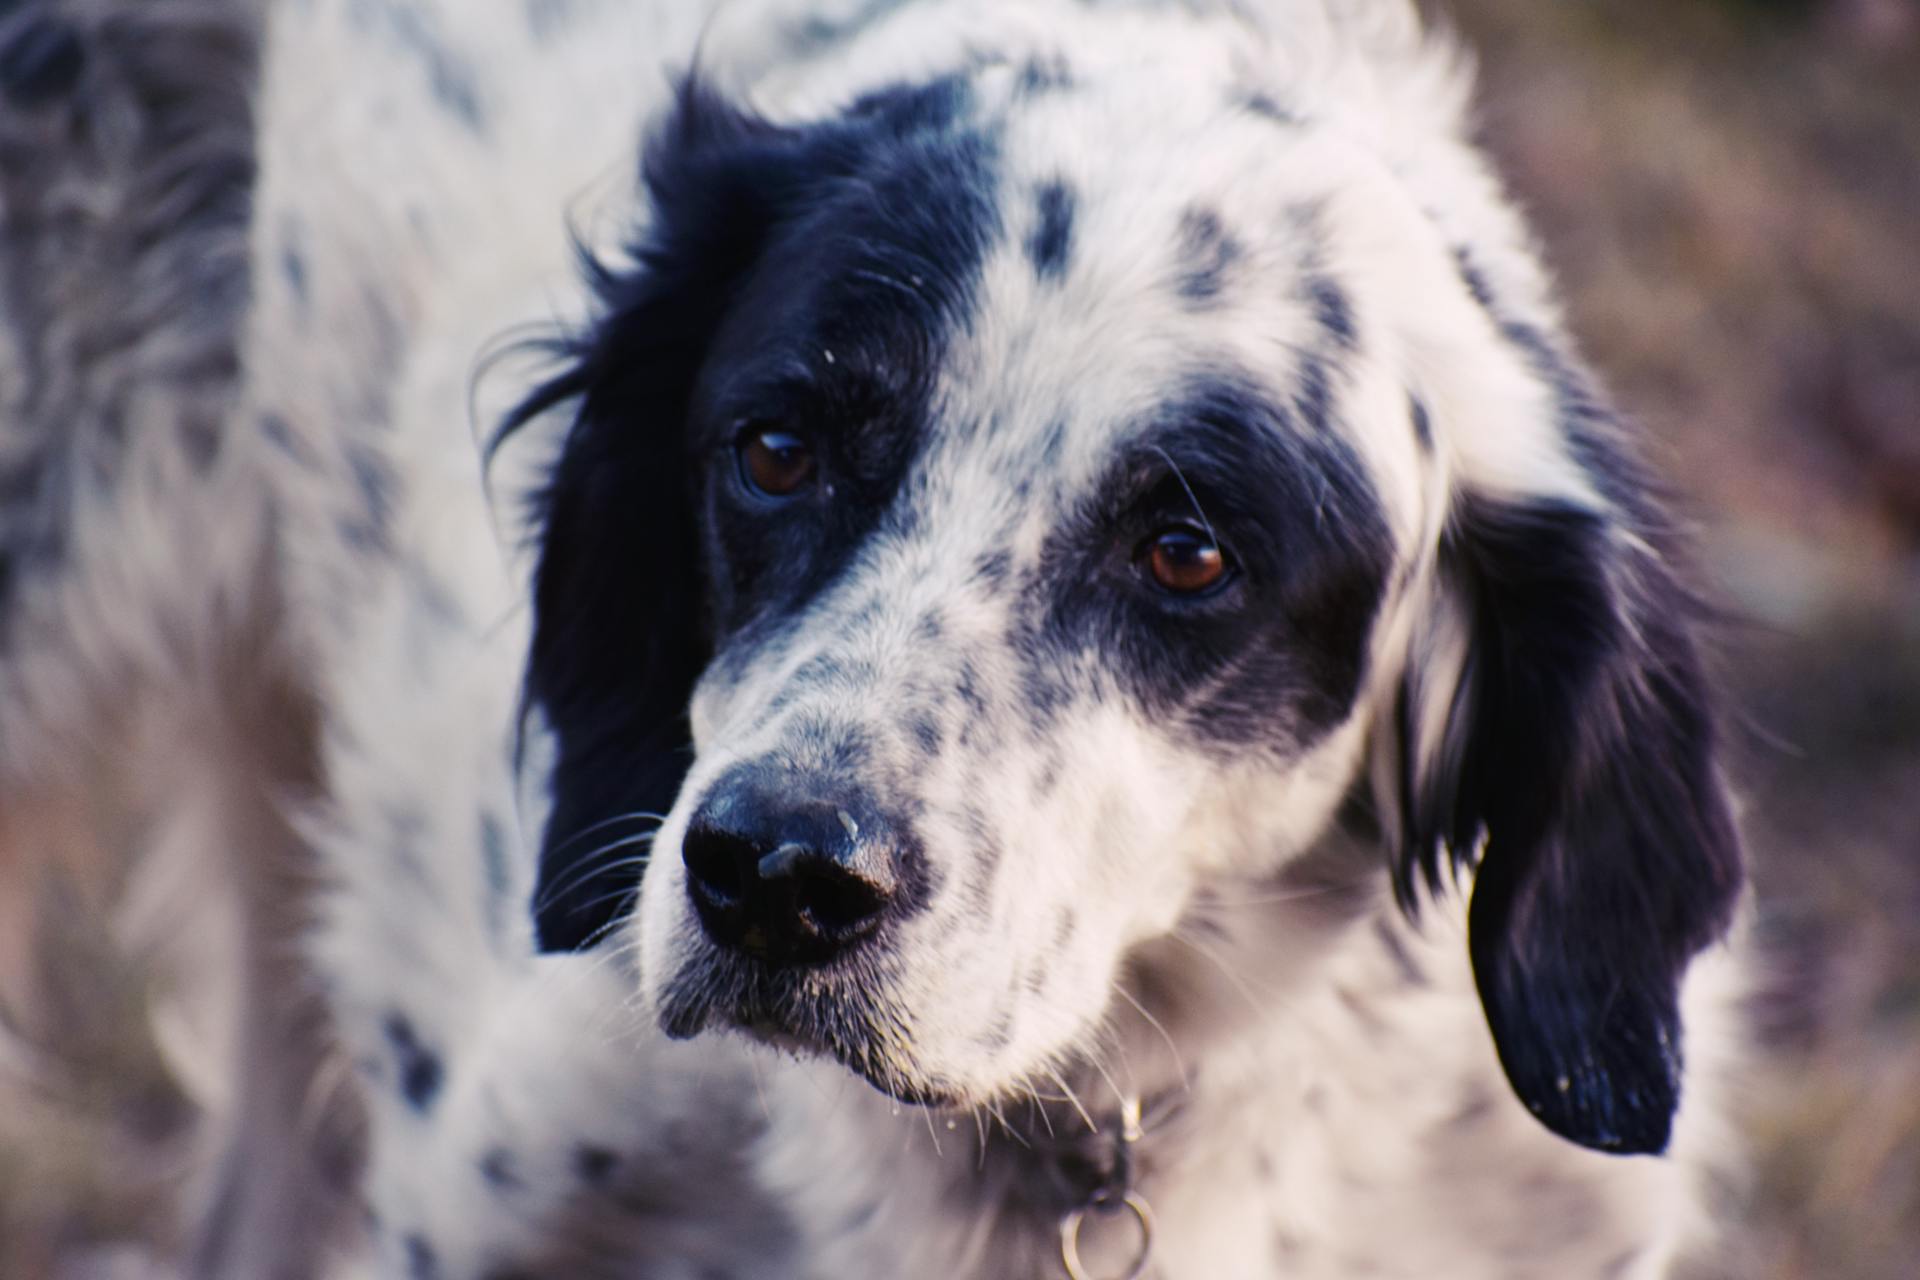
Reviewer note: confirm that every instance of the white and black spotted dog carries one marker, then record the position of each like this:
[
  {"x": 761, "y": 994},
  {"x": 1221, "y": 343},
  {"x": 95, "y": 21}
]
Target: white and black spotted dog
[{"x": 1078, "y": 592}]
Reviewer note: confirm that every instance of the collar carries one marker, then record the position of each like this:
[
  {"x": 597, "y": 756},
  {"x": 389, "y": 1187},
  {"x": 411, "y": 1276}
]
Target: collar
[{"x": 1094, "y": 1177}]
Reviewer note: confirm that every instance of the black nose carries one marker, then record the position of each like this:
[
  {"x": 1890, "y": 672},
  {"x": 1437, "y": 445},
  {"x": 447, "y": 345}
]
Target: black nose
[{"x": 787, "y": 879}]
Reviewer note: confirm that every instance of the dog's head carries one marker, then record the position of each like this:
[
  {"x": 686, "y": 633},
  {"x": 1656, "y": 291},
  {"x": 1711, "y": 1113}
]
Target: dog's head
[{"x": 1001, "y": 509}]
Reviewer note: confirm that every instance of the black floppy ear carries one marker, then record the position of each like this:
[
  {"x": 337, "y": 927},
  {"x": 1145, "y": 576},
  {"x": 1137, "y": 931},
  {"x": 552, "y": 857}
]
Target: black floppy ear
[
  {"x": 1558, "y": 730},
  {"x": 618, "y": 624}
]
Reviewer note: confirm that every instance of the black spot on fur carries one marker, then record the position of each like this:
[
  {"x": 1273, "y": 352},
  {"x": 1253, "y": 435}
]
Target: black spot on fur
[
  {"x": 420, "y": 1071},
  {"x": 1472, "y": 277},
  {"x": 766, "y": 245},
  {"x": 449, "y": 79},
  {"x": 984, "y": 846},
  {"x": 594, "y": 1165},
  {"x": 293, "y": 269},
  {"x": 497, "y": 1170},
  {"x": 1035, "y": 978},
  {"x": 1051, "y": 245},
  {"x": 365, "y": 529},
  {"x": 1206, "y": 254},
  {"x": 41, "y": 62},
  {"x": 1314, "y": 393},
  {"x": 820, "y": 671},
  {"x": 421, "y": 1261},
  {"x": 493, "y": 855},
  {"x": 968, "y": 688},
  {"x": 280, "y": 434},
  {"x": 1044, "y": 75},
  {"x": 1265, "y": 106},
  {"x": 1053, "y": 441},
  {"x": 926, "y": 733},
  {"x": 1333, "y": 312},
  {"x": 1422, "y": 423},
  {"x": 992, "y": 568}
]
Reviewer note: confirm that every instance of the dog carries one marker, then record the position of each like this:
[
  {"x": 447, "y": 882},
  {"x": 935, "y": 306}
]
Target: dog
[{"x": 1046, "y": 664}]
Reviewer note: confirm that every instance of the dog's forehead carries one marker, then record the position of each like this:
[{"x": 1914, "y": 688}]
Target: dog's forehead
[{"x": 1144, "y": 247}]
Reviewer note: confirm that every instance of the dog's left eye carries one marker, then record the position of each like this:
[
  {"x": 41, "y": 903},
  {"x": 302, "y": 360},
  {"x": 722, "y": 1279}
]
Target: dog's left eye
[
  {"x": 774, "y": 463},
  {"x": 1184, "y": 560}
]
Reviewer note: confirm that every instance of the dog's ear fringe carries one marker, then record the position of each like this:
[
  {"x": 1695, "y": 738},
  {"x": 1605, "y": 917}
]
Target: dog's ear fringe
[
  {"x": 1576, "y": 777},
  {"x": 619, "y": 481}
]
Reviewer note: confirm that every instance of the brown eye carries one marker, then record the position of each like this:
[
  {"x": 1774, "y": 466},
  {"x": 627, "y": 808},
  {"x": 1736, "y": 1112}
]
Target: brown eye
[
  {"x": 773, "y": 462},
  {"x": 1185, "y": 561}
]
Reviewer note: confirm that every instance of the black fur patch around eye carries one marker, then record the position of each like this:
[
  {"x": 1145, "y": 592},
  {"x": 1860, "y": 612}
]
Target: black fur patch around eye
[
  {"x": 770, "y": 249},
  {"x": 1277, "y": 656}
]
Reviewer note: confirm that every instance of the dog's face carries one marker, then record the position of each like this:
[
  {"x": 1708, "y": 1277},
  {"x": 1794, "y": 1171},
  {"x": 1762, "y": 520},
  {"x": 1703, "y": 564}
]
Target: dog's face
[{"x": 1044, "y": 502}]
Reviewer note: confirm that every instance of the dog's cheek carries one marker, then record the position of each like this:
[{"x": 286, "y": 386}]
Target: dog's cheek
[{"x": 703, "y": 716}]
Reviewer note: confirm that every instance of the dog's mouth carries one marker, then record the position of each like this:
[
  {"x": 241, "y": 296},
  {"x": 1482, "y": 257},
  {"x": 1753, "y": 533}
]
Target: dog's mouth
[{"x": 812, "y": 1013}]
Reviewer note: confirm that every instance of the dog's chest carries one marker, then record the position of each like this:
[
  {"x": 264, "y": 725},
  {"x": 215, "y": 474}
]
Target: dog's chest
[{"x": 1240, "y": 1184}]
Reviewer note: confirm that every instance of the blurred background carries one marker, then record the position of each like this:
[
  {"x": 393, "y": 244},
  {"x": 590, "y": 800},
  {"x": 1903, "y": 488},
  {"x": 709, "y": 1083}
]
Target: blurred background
[{"x": 1730, "y": 192}]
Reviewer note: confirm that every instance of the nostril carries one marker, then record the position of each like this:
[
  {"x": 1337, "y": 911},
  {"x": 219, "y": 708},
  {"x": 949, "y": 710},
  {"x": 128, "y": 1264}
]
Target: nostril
[
  {"x": 720, "y": 864},
  {"x": 836, "y": 900}
]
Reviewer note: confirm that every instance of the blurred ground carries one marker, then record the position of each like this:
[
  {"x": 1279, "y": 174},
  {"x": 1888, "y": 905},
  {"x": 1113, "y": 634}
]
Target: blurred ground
[{"x": 1730, "y": 191}]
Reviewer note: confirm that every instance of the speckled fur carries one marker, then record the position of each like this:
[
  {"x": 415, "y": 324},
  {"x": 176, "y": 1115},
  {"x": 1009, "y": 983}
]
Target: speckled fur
[{"x": 1210, "y": 926}]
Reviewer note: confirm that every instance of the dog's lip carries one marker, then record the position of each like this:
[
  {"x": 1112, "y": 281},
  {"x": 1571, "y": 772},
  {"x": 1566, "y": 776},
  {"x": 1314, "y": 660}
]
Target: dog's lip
[
  {"x": 762, "y": 1028},
  {"x": 914, "y": 1093},
  {"x": 771, "y": 1033}
]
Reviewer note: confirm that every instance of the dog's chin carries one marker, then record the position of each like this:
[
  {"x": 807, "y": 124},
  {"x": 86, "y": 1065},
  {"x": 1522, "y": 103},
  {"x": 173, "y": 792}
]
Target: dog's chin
[{"x": 798, "y": 1019}]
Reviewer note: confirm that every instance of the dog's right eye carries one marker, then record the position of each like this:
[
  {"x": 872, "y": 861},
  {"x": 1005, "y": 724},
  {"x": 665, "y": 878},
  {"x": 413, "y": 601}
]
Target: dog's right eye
[
  {"x": 774, "y": 463},
  {"x": 1185, "y": 561}
]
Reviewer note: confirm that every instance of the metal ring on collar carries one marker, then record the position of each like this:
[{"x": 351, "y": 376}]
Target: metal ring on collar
[{"x": 1070, "y": 1239}]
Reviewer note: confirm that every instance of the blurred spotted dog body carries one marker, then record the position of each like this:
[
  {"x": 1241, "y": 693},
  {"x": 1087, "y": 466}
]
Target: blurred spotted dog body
[{"x": 1062, "y": 537}]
